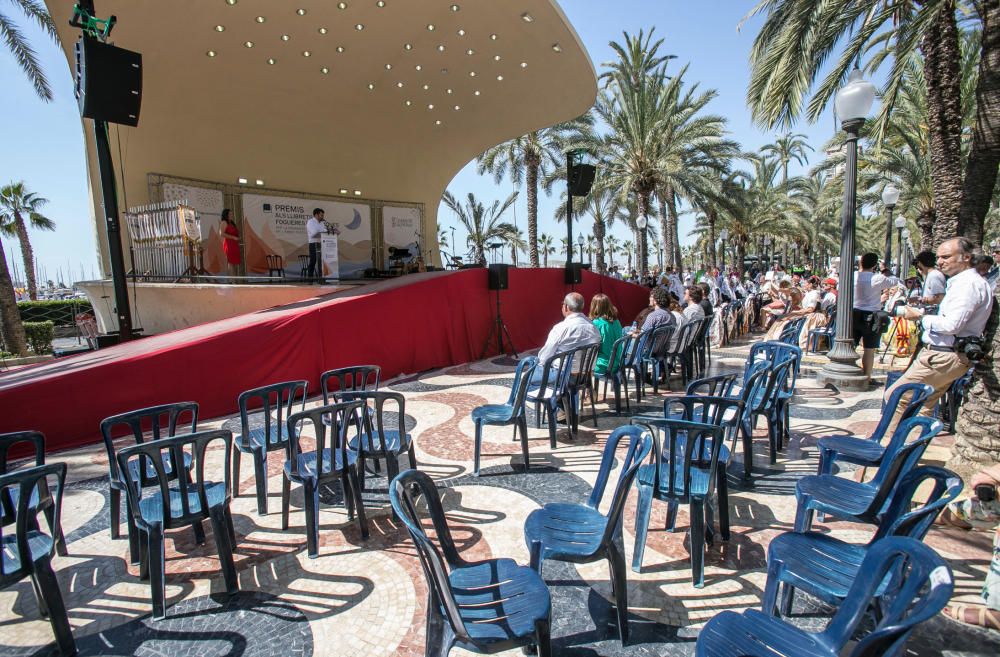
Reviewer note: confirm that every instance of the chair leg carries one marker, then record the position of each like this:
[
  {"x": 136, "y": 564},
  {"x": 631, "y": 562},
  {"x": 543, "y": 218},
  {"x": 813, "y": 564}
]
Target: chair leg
[
  {"x": 237, "y": 454},
  {"x": 260, "y": 475},
  {"x": 225, "y": 548},
  {"x": 142, "y": 542},
  {"x": 310, "y": 491},
  {"x": 231, "y": 527},
  {"x": 722, "y": 485},
  {"x": 286, "y": 501},
  {"x": 826, "y": 458},
  {"x": 591, "y": 393},
  {"x": 157, "y": 578},
  {"x": 697, "y": 511},
  {"x": 804, "y": 516},
  {"x": 618, "y": 396},
  {"x": 522, "y": 424},
  {"x": 36, "y": 587},
  {"x": 199, "y": 532},
  {"x": 671, "y": 522},
  {"x": 769, "y": 600},
  {"x": 359, "y": 504},
  {"x": 115, "y": 511},
  {"x": 642, "y": 509},
  {"x": 479, "y": 446},
  {"x": 746, "y": 429},
  {"x": 134, "y": 542},
  {"x": 535, "y": 556},
  {"x": 538, "y": 414},
  {"x": 348, "y": 488},
  {"x": 772, "y": 436},
  {"x": 543, "y": 638},
  {"x": 552, "y": 426},
  {"x": 439, "y": 637},
  {"x": 616, "y": 560},
  {"x": 46, "y": 581}
]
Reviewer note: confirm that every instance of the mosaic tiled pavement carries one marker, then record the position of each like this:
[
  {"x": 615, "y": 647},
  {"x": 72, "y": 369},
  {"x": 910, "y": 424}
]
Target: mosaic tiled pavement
[{"x": 367, "y": 598}]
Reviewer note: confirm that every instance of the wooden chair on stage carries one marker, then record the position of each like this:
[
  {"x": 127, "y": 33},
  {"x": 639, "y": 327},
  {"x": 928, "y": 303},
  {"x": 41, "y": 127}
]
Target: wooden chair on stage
[{"x": 275, "y": 265}]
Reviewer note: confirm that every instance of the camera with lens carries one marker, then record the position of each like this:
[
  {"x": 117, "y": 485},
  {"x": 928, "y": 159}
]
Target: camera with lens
[
  {"x": 879, "y": 321},
  {"x": 986, "y": 492},
  {"x": 972, "y": 347}
]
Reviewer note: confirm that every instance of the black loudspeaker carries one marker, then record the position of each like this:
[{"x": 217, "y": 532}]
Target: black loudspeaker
[
  {"x": 108, "y": 82},
  {"x": 581, "y": 177},
  {"x": 498, "y": 276},
  {"x": 573, "y": 275}
]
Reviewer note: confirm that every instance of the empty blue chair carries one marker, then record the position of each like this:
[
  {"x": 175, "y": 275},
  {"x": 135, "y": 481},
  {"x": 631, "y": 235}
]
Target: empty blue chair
[
  {"x": 40, "y": 500},
  {"x": 510, "y": 413},
  {"x": 829, "y": 332},
  {"x": 868, "y": 451},
  {"x": 775, "y": 352},
  {"x": 685, "y": 471},
  {"x": 481, "y": 606},
  {"x": 924, "y": 586},
  {"x": 329, "y": 461},
  {"x": 757, "y": 375},
  {"x": 550, "y": 391},
  {"x": 826, "y": 567},
  {"x": 865, "y": 501},
  {"x": 277, "y": 402},
  {"x": 641, "y": 355},
  {"x": 580, "y": 533},
  {"x": 769, "y": 406},
  {"x": 27, "y": 551},
  {"x": 173, "y": 502},
  {"x": 712, "y": 386},
  {"x": 377, "y": 441}
]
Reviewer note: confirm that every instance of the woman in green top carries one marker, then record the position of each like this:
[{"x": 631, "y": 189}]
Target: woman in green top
[{"x": 605, "y": 317}]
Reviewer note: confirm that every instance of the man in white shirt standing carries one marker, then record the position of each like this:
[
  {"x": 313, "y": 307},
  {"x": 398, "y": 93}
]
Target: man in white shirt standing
[
  {"x": 575, "y": 330},
  {"x": 963, "y": 314},
  {"x": 868, "y": 286},
  {"x": 933, "y": 290},
  {"x": 314, "y": 231}
]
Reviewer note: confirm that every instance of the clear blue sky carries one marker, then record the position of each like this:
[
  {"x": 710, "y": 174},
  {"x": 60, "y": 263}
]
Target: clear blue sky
[{"x": 43, "y": 143}]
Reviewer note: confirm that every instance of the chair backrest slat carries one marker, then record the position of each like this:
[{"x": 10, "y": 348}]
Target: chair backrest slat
[
  {"x": 277, "y": 399},
  {"x": 153, "y": 419},
  {"x": 329, "y": 424},
  {"x": 353, "y": 379},
  {"x": 25, "y": 482},
  {"x": 639, "y": 448},
  {"x": 900, "y": 520},
  {"x": 522, "y": 377}
]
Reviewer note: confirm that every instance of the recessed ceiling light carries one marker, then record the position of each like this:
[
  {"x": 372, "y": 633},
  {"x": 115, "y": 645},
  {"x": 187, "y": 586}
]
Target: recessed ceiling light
[
  {"x": 380, "y": 4},
  {"x": 359, "y": 27},
  {"x": 556, "y": 47},
  {"x": 341, "y": 5},
  {"x": 371, "y": 85},
  {"x": 210, "y": 53},
  {"x": 357, "y": 192},
  {"x": 259, "y": 181},
  {"x": 461, "y": 32},
  {"x": 441, "y": 48},
  {"x": 409, "y": 102},
  {"x": 230, "y": 2},
  {"x": 306, "y": 53},
  {"x": 322, "y": 30},
  {"x": 454, "y": 7},
  {"x": 242, "y": 181},
  {"x": 285, "y": 37},
  {"x": 272, "y": 61},
  {"x": 430, "y": 27},
  {"x": 248, "y": 44},
  {"x": 431, "y": 106},
  {"x": 496, "y": 58},
  {"x": 426, "y": 87},
  {"x": 444, "y": 71},
  {"x": 300, "y": 12},
  {"x": 524, "y": 64},
  {"x": 407, "y": 46},
  {"x": 324, "y": 70},
  {"x": 493, "y": 37},
  {"x": 457, "y": 108},
  {"x": 220, "y": 28},
  {"x": 470, "y": 51},
  {"x": 388, "y": 67},
  {"x": 438, "y": 122},
  {"x": 343, "y": 191},
  {"x": 499, "y": 78},
  {"x": 476, "y": 92},
  {"x": 260, "y": 19},
  {"x": 419, "y": 67},
  {"x": 449, "y": 91},
  {"x": 472, "y": 74},
  {"x": 527, "y": 18},
  {"x": 399, "y": 84},
  {"x": 340, "y": 48}
]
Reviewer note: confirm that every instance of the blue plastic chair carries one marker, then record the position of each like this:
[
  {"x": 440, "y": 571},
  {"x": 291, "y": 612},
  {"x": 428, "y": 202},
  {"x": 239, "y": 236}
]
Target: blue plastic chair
[
  {"x": 683, "y": 351},
  {"x": 377, "y": 442},
  {"x": 954, "y": 397},
  {"x": 825, "y": 567},
  {"x": 164, "y": 506},
  {"x": 619, "y": 367},
  {"x": 757, "y": 375},
  {"x": 328, "y": 462},
  {"x": 790, "y": 332},
  {"x": 712, "y": 386},
  {"x": 484, "y": 606},
  {"x": 769, "y": 406},
  {"x": 924, "y": 588},
  {"x": 829, "y": 332},
  {"x": 277, "y": 400},
  {"x": 641, "y": 355},
  {"x": 685, "y": 470},
  {"x": 160, "y": 421},
  {"x": 550, "y": 392},
  {"x": 653, "y": 360},
  {"x": 868, "y": 451},
  {"x": 776, "y": 352},
  {"x": 28, "y": 551},
  {"x": 41, "y": 500},
  {"x": 581, "y": 382},
  {"x": 580, "y": 533},
  {"x": 864, "y": 501},
  {"x": 510, "y": 413}
]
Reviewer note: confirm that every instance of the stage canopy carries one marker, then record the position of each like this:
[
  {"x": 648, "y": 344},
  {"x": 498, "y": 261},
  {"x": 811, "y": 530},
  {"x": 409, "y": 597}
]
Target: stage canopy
[{"x": 384, "y": 100}]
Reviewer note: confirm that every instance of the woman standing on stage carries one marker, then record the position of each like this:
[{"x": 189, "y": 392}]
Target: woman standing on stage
[{"x": 231, "y": 244}]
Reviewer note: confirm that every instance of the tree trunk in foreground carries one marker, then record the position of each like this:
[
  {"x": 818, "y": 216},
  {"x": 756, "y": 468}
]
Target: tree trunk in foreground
[
  {"x": 10, "y": 316},
  {"x": 531, "y": 181}
]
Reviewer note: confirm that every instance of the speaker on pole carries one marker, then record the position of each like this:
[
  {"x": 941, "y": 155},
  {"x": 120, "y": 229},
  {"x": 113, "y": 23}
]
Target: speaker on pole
[
  {"x": 581, "y": 178},
  {"x": 108, "y": 82},
  {"x": 574, "y": 275},
  {"x": 498, "y": 276}
]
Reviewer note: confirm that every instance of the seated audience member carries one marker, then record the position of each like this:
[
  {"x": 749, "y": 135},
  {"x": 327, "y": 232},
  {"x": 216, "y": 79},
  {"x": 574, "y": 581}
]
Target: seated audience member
[
  {"x": 812, "y": 308},
  {"x": 660, "y": 299},
  {"x": 706, "y": 300},
  {"x": 829, "y": 301},
  {"x": 693, "y": 311},
  {"x": 793, "y": 311},
  {"x": 779, "y": 303},
  {"x": 604, "y": 315},
  {"x": 575, "y": 330},
  {"x": 675, "y": 310}
]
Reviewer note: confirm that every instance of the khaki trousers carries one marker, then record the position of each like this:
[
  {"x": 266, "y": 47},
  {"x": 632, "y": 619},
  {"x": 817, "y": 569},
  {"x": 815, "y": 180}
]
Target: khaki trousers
[{"x": 938, "y": 369}]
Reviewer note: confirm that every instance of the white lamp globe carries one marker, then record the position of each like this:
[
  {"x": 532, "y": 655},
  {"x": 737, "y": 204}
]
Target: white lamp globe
[
  {"x": 641, "y": 222},
  {"x": 890, "y": 195},
  {"x": 855, "y": 99},
  {"x": 900, "y": 222},
  {"x": 724, "y": 234}
]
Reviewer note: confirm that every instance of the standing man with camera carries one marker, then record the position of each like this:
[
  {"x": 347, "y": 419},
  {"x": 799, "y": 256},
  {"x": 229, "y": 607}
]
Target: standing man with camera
[
  {"x": 868, "y": 286},
  {"x": 952, "y": 338}
]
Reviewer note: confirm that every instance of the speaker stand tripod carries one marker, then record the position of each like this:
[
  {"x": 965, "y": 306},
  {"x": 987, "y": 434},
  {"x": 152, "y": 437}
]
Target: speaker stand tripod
[{"x": 499, "y": 330}]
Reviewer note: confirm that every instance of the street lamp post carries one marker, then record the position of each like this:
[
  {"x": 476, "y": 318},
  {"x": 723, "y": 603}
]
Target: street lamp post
[
  {"x": 890, "y": 195},
  {"x": 579, "y": 241},
  {"x": 904, "y": 252},
  {"x": 767, "y": 253},
  {"x": 641, "y": 224},
  {"x": 900, "y": 226},
  {"x": 724, "y": 235},
  {"x": 853, "y": 103}
]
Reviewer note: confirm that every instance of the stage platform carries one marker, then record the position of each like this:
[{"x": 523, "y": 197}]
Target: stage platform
[{"x": 406, "y": 325}]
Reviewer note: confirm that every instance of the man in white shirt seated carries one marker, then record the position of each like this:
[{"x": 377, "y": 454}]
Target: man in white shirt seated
[
  {"x": 693, "y": 310},
  {"x": 934, "y": 284},
  {"x": 962, "y": 315},
  {"x": 575, "y": 330},
  {"x": 868, "y": 286}
]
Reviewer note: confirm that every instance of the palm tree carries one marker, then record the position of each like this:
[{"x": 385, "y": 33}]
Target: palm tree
[
  {"x": 546, "y": 248},
  {"x": 514, "y": 237},
  {"x": 786, "y": 148},
  {"x": 757, "y": 206},
  {"x": 10, "y": 317},
  {"x": 482, "y": 224},
  {"x": 529, "y": 158},
  {"x": 18, "y": 207},
  {"x": 629, "y": 248},
  {"x": 612, "y": 248},
  {"x": 18, "y": 45},
  {"x": 790, "y": 52},
  {"x": 604, "y": 207}
]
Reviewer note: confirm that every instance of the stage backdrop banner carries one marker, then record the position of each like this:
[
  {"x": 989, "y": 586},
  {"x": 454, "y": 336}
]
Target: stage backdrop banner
[
  {"x": 277, "y": 224},
  {"x": 401, "y": 229},
  {"x": 329, "y": 248},
  {"x": 208, "y": 204}
]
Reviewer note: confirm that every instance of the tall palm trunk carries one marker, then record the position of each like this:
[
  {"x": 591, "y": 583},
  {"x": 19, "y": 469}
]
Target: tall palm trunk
[
  {"x": 925, "y": 222},
  {"x": 641, "y": 259},
  {"x": 712, "y": 217},
  {"x": 977, "y": 442},
  {"x": 531, "y": 180},
  {"x": 665, "y": 240},
  {"x": 599, "y": 246},
  {"x": 10, "y": 317},
  {"x": 944, "y": 120},
  {"x": 741, "y": 254},
  {"x": 27, "y": 255},
  {"x": 984, "y": 153}
]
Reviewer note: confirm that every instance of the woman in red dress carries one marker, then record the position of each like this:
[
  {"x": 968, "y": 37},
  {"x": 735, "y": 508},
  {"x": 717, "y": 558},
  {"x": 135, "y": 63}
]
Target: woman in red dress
[{"x": 230, "y": 243}]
